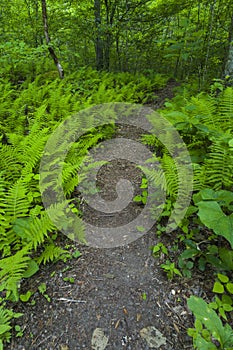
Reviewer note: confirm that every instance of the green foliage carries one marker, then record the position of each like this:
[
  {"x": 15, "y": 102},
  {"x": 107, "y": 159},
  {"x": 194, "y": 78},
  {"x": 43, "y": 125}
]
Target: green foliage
[
  {"x": 214, "y": 329},
  {"x": 170, "y": 269},
  {"x": 25, "y": 297},
  {"x": 210, "y": 212},
  {"x": 159, "y": 248},
  {"x": 6, "y": 316},
  {"x": 205, "y": 123},
  {"x": 11, "y": 273},
  {"x": 28, "y": 116},
  {"x": 225, "y": 287},
  {"x": 142, "y": 198},
  {"x": 42, "y": 288}
]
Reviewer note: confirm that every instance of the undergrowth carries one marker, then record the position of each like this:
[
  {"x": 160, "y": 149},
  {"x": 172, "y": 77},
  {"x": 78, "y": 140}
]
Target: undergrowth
[
  {"x": 29, "y": 112},
  {"x": 205, "y": 122}
]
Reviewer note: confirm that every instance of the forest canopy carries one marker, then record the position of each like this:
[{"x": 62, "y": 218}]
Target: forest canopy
[{"x": 180, "y": 38}]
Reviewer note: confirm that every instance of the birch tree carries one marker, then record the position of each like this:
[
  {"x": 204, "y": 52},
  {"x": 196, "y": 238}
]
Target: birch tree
[{"x": 48, "y": 41}]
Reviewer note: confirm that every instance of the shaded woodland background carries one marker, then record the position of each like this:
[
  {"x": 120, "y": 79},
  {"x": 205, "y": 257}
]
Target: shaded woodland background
[{"x": 180, "y": 38}]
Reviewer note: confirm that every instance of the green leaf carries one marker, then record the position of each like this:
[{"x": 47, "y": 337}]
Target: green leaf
[
  {"x": 177, "y": 272},
  {"x": 25, "y": 297},
  {"x": 137, "y": 199},
  {"x": 226, "y": 256},
  {"x": 42, "y": 288},
  {"x": 213, "y": 305},
  {"x": 4, "y": 328},
  {"x": 144, "y": 296},
  {"x": 213, "y": 217},
  {"x": 189, "y": 253},
  {"x": 208, "y": 317},
  {"x": 198, "y": 325},
  {"x": 229, "y": 287},
  {"x": 222, "y": 278},
  {"x": 227, "y": 307},
  {"x": 222, "y": 313},
  {"x": 31, "y": 269},
  {"x": 226, "y": 299},
  {"x": 76, "y": 254},
  {"x": 218, "y": 288},
  {"x": 189, "y": 265},
  {"x": 140, "y": 228},
  {"x": 21, "y": 226},
  {"x": 203, "y": 344}
]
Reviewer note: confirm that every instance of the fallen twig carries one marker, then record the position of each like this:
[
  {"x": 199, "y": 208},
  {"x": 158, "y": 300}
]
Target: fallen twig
[{"x": 71, "y": 300}]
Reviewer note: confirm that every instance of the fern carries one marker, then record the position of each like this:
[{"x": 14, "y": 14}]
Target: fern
[
  {"x": 29, "y": 115},
  {"x": 225, "y": 110},
  {"x": 11, "y": 272},
  {"x": 206, "y": 123},
  {"x": 205, "y": 109},
  {"x": 31, "y": 149},
  {"x": 6, "y": 316},
  {"x": 9, "y": 162},
  {"x": 33, "y": 230},
  {"x": 219, "y": 165},
  {"x": 18, "y": 204},
  {"x": 52, "y": 252}
]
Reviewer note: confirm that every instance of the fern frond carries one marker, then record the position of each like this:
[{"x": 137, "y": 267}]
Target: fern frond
[
  {"x": 200, "y": 178},
  {"x": 31, "y": 149},
  {"x": 9, "y": 160},
  {"x": 219, "y": 165},
  {"x": 37, "y": 230},
  {"x": 18, "y": 204},
  {"x": 51, "y": 252},
  {"x": 205, "y": 109},
  {"x": 62, "y": 215},
  {"x": 225, "y": 110},
  {"x": 171, "y": 175},
  {"x": 11, "y": 271}
]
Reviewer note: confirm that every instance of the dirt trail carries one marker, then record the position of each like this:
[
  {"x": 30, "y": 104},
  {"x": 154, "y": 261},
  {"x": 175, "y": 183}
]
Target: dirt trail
[{"x": 118, "y": 299}]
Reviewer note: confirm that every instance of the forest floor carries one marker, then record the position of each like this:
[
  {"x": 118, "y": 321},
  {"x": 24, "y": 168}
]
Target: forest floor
[{"x": 114, "y": 299}]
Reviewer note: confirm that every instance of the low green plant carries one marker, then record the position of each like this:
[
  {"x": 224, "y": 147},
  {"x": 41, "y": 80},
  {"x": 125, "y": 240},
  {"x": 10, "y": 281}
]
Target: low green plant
[
  {"x": 26, "y": 297},
  {"x": 223, "y": 287},
  {"x": 144, "y": 296},
  {"x": 208, "y": 333},
  {"x": 6, "y": 317},
  {"x": 69, "y": 279},
  {"x": 170, "y": 269},
  {"x": 142, "y": 198},
  {"x": 159, "y": 249},
  {"x": 214, "y": 207},
  {"x": 19, "y": 331},
  {"x": 42, "y": 288}
]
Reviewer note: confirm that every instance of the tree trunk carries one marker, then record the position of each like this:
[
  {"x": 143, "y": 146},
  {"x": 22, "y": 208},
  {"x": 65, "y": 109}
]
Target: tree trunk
[
  {"x": 229, "y": 64},
  {"x": 48, "y": 41},
  {"x": 99, "y": 50}
]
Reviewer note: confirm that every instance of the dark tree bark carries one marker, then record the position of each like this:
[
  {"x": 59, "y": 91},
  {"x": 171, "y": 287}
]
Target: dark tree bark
[
  {"x": 99, "y": 49},
  {"x": 110, "y": 8},
  {"x": 48, "y": 41}
]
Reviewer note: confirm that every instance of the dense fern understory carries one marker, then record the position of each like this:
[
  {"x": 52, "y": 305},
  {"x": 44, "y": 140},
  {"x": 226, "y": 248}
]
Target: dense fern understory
[{"x": 31, "y": 111}]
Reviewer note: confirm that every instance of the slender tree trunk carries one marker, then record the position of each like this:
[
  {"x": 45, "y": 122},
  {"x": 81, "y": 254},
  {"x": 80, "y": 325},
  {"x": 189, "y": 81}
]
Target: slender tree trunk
[
  {"x": 118, "y": 52},
  {"x": 48, "y": 41},
  {"x": 211, "y": 22},
  {"x": 229, "y": 64},
  {"x": 99, "y": 53},
  {"x": 110, "y": 8}
]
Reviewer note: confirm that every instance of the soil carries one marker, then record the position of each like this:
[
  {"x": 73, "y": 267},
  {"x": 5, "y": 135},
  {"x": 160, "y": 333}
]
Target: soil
[{"x": 116, "y": 294}]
